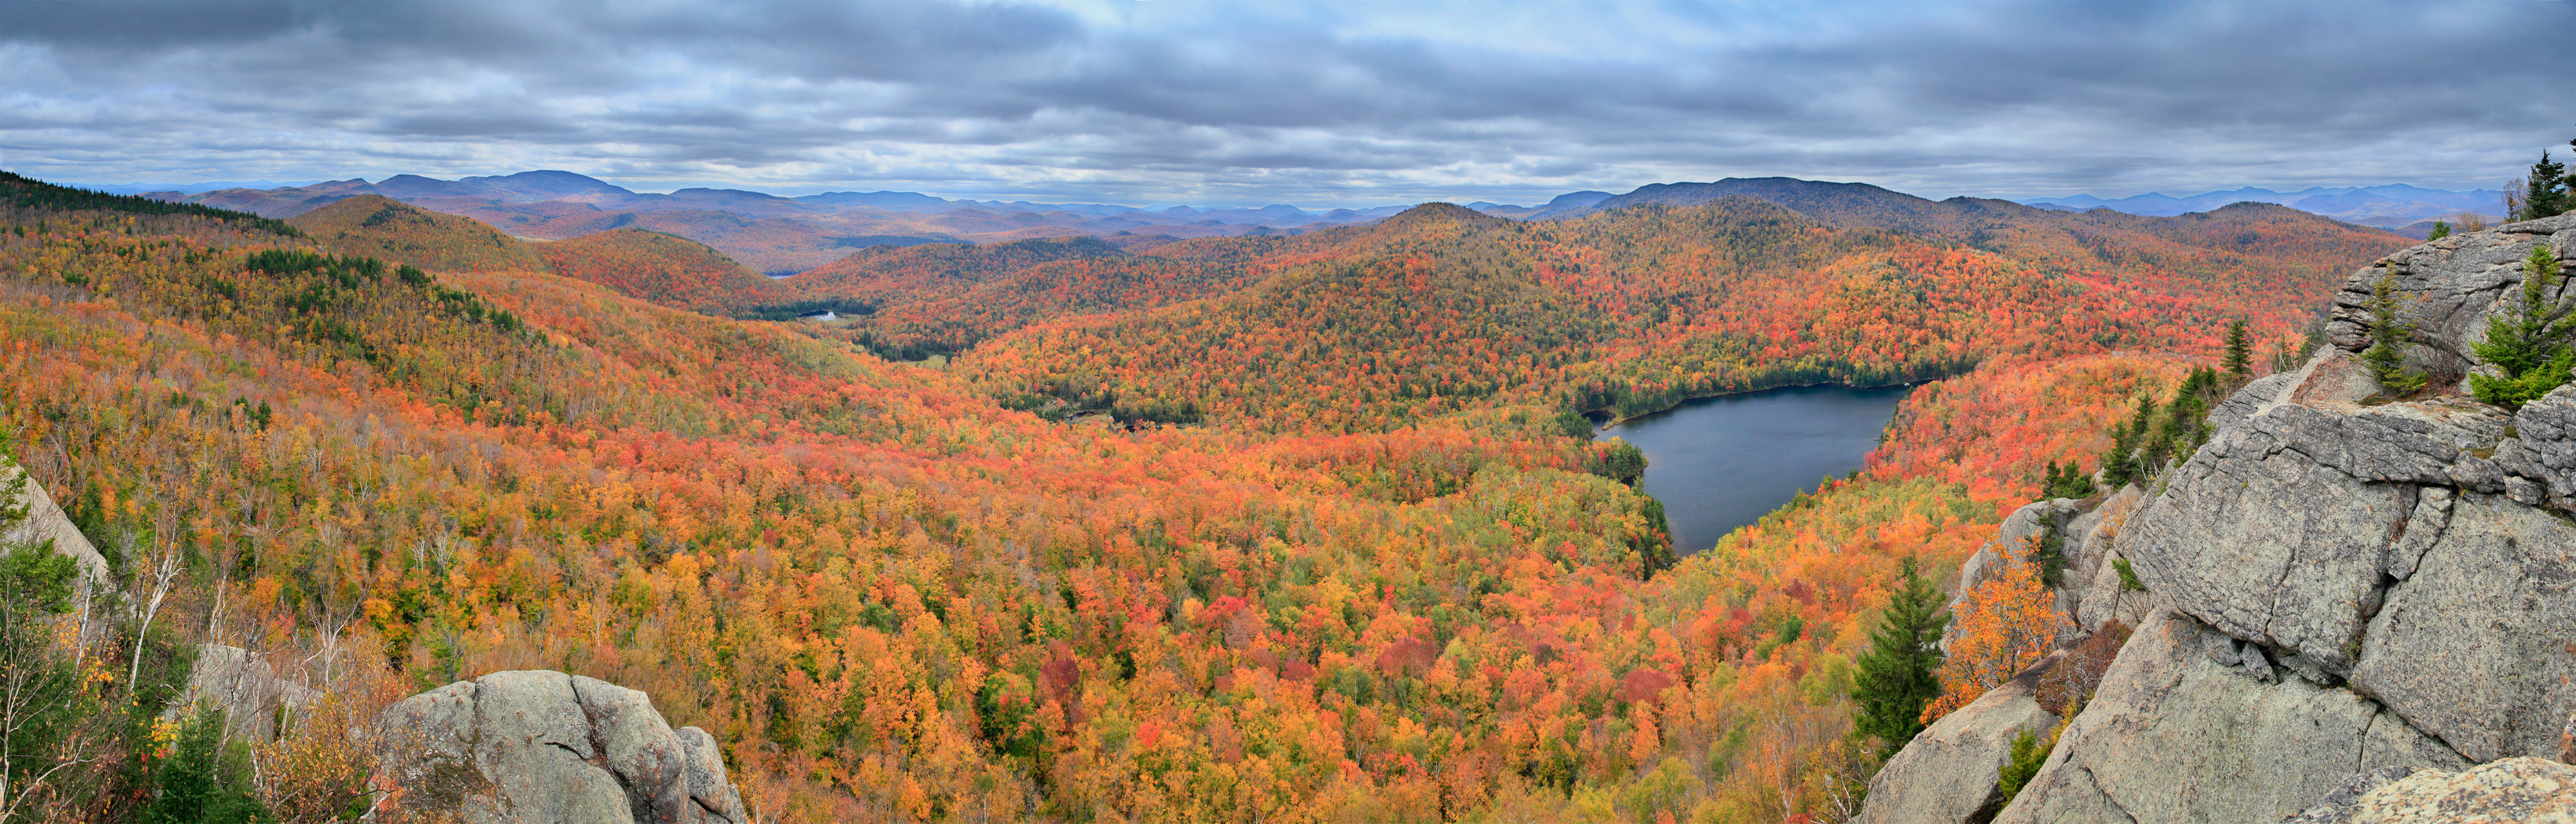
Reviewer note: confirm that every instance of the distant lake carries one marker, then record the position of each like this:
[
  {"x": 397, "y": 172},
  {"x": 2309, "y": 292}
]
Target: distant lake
[{"x": 1724, "y": 462}]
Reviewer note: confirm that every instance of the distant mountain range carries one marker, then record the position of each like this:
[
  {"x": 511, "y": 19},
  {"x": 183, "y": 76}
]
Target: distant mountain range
[
  {"x": 773, "y": 234},
  {"x": 192, "y": 188},
  {"x": 785, "y": 235},
  {"x": 2393, "y": 206}
]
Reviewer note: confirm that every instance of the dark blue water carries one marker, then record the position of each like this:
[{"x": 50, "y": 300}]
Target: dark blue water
[{"x": 1724, "y": 462}]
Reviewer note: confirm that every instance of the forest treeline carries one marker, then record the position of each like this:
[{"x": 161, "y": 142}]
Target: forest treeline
[{"x": 1373, "y": 579}]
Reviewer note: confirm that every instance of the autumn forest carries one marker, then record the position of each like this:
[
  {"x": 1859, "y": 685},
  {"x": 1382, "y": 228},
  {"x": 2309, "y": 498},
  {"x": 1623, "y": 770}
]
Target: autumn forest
[{"x": 1273, "y": 528}]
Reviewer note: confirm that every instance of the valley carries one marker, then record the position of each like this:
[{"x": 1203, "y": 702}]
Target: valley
[
  {"x": 1290, "y": 527},
  {"x": 1103, "y": 412}
]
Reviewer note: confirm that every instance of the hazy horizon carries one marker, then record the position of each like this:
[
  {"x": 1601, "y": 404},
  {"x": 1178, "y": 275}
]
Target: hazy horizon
[
  {"x": 1247, "y": 105},
  {"x": 199, "y": 186}
]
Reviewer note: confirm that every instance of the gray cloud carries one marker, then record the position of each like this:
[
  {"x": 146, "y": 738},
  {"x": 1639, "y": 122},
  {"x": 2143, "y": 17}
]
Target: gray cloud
[{"x": 1323, "y": 104}]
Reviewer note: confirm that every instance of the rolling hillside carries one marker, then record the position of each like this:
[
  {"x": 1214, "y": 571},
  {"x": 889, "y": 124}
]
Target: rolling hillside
[
  {"x": 1632, "y": 309},
  {"x": 377, "y": 226},
  {"x": 666, "y": 269}
]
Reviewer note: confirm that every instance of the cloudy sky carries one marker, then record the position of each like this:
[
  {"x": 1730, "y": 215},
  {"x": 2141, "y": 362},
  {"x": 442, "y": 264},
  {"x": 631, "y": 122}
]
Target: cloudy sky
[{"x": 1306, "y": 103}]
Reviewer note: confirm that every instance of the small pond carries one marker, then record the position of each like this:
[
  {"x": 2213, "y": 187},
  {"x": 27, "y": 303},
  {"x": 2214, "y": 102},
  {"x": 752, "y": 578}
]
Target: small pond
[{"x": 1724, "y": 462}]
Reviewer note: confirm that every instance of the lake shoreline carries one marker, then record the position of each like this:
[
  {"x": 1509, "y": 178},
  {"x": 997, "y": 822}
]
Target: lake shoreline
[
  {"x": 1615, "y": 420},
  {"x": 1723, "y": 461}
]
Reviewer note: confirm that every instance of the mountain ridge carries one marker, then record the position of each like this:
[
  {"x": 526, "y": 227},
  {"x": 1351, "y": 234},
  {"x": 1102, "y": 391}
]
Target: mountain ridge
[{"x": 2388, "y": 206}]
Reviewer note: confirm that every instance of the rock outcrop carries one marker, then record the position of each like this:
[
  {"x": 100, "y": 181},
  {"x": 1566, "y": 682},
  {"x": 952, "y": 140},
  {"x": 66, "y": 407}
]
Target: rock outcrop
[
  {"x": 2191, "y": 726},
  {"x": 536, "y": 747},
  {"x": 1947, "y": 773},
  {"x": 2511, "y": 791},
  {"x": 46, "y": 522},
  {"x": 244, "y": 688},
  {"x": 2455, "y": 282},
  {"x": 2343, "y": 584}
]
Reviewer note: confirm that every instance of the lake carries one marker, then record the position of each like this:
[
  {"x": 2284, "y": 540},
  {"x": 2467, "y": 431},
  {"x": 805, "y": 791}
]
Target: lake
[{"x": 1724, "y": 462}]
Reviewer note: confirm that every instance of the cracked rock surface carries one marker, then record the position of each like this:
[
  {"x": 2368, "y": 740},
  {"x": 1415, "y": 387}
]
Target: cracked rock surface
[
  {"x": 2512, "y": 791},
  {"x": 543, "y": 747},
  {"x": 2185, "y": 730}
]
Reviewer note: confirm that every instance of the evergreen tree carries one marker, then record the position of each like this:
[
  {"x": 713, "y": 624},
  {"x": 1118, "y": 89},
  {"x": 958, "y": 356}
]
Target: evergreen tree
[
  {"x": 2544, "y": 190},
  {"x": 2531, "y": 346},
  {"x": 1622, "y": 462},
  {"x": 206, "y": 780},
  {"x": 2124, "y": 464},
  {"x": 2027, "y": 756},
  {"x": 2050, "y": 554},
  {"x": 2067, "y": 483},
  {"x": 2386, "y": 356},
  {"x": 2440, "y": 230},
  {"x": 1900, "y": 673},
  {"x": 2240, "y": 351}
]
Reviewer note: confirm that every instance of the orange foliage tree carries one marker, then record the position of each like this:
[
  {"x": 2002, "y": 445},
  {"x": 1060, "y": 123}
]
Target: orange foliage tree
[{"x": 2005, "y": 623}]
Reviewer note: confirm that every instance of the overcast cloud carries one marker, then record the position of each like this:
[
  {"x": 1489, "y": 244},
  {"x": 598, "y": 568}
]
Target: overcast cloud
[{"x": 1314, "y": 104}]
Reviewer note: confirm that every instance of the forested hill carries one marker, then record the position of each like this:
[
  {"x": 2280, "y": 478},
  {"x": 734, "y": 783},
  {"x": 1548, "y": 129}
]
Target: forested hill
[
  {"x": 663, "y": 268},
  {"x": 1853, "y": 205},
  {"x": 377, "y": 226},
  {"x": 1628, "y": 310},
  {"x": 1839, "y": 204}
]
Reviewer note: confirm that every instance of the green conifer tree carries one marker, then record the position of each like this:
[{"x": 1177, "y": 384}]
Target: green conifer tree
[
  {"x": 2387, "y": 356},
  {"x": 1900, "y": 673},
  {"x": 2441, "y": 229},
  {"x": 2240, "y": 351},
  {"x": 206, "y": 780},
  {"x": 2027, "y": 756},
  {"x": 2545, "y": 190},
  {"x": 2530, "y": 347}
]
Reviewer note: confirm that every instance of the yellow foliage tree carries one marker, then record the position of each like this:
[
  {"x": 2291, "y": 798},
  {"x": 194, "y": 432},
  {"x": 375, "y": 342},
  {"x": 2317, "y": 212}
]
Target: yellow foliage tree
[{"x": 2006, "y": 622}]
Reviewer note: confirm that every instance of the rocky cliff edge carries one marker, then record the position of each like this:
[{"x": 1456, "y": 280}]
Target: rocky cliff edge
[{"x": 2340, "y": 584}]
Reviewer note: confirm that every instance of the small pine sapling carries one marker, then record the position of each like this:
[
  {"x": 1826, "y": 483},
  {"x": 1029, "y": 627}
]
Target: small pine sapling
[
  {"x": 2027, "y": 755},
  {"x": 2387, "y": 356},
  {"x": 2050, "y": 553},
  {"x": 2529, "y": 347}
]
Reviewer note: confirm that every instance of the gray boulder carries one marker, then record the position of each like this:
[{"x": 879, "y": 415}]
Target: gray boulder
[
  {"x": 1947, "y": 774},
  {"x": 2287, "y": 529},
  {"x": 2254, "y": 397},
  {"x": 2376, "y": 545},
  {"x": 2180, "y": 733},
  {"x": 2093, "y": 596},
  {"x": 2510, "y": 791},
  {"x": 544, "y": 747},
  {"x": 243, "y": 686},
  {"x": 2338, "y": 806},
  {"x": 2342, "y": 582}
]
